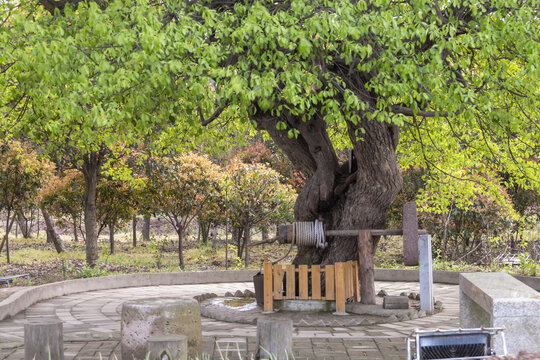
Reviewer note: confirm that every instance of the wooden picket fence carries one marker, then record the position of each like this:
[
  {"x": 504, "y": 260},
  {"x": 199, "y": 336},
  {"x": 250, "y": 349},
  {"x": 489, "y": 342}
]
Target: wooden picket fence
[{"x": 340, "y": 280}]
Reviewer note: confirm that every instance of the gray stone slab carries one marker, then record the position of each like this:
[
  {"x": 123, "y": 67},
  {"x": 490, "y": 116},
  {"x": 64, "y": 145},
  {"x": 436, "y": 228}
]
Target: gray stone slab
[{"x": 499, "y": 300}]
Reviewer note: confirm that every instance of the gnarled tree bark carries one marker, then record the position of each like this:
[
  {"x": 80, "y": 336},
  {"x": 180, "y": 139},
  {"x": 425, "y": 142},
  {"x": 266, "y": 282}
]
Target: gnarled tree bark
[{"x": 342, "y": 200}]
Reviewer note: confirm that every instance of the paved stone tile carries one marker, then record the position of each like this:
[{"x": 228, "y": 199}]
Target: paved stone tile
[{"x": 92, "y": 326}]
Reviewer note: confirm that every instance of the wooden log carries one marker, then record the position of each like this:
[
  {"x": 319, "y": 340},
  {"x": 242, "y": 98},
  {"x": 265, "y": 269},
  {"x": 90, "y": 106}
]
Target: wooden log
[
  {"x": 43, "y": 340},
  {"x": 291, "y": 282},
  {"x": 303, "y": 282},
  {"x": 410, "y": 234},
  {"x": 356, "y": 282},
  {"x": 316, "y": 282},
  {"x": 395, "y": 302},
  {"x": 366, "y": 268},
  {"x": 268, "y": 295},
  {"x": 170, "y": 347},
  {"x": 374, "y": 232},
  {"x": 278, "y": 282},
  {"x": 284, "y": 233},
  {"x": 329, "y": 282},
  {"x": 340, "y": 287},
  {"x": 274, "y": 339}
]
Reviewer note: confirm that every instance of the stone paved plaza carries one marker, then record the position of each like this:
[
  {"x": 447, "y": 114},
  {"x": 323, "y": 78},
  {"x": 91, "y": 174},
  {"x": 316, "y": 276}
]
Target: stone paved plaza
[{"x": 92, "y": 326}]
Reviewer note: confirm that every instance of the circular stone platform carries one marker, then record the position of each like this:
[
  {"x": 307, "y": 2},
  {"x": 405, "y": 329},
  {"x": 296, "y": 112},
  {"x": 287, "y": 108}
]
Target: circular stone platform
[{"x": 245, "y": 311}]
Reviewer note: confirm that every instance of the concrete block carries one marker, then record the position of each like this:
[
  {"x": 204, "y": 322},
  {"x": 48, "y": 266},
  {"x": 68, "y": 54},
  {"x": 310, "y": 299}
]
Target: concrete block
[
  {"x": 395, "y": 302},
  {"x": 496, "y": 300},
  {"x": 305, "y": 305},
  {"x": 163, "y": 316}
]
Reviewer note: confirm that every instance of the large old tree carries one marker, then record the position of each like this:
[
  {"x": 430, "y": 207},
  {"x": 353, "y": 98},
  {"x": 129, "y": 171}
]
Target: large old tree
[{"x": 451, "y": 86}]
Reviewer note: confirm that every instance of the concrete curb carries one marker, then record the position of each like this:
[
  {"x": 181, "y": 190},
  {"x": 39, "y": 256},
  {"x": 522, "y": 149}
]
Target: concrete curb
[
  {"x": 23, "y": 299},
  {"x": 441, "y": 277}
]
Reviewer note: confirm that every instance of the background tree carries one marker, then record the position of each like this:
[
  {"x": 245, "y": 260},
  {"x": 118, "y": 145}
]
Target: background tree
[
  {"x": 63, "y": 197},
  {"x": 116, "y": 203},
  {"x": 22, "y": 173},
  {"x": 182, "y": 187},
  {"x": 95, "y": 92},
  {"x": 255, "y": 196}
]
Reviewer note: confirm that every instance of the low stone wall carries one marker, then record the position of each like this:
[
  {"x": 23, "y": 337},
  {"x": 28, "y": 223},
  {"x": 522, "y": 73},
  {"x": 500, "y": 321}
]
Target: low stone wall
[
  {"x": 441, "y": 277},
  {"x": 23, "y": 299}
]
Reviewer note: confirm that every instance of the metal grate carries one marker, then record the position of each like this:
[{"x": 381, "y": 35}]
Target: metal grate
[{"x": 452, "y": 344}]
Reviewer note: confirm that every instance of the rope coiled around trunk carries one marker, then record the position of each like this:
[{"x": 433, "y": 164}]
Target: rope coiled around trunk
[{"x": 307, "y": 233}]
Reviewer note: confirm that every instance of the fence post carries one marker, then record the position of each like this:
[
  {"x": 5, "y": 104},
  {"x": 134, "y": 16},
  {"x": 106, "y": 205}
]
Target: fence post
[{"x": 425, "y": 273}]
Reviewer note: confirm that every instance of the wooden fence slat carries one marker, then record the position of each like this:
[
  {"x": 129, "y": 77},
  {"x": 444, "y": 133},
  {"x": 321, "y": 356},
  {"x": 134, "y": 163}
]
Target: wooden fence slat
[
  {"x": 329, "y": 282},
  {"x": 278, "y": 282},
  {"x": 340, "y": 287},
  {"x": 355, "y": 282},
  {"x": 346, "y": 282},
  {"x": 316, "y": 282},
  {"x": 291, "y": 285},
  {"x": 268, "y": 296},
  {"x": 303, "y": 282},
  {"x": 351, "y": 279}
]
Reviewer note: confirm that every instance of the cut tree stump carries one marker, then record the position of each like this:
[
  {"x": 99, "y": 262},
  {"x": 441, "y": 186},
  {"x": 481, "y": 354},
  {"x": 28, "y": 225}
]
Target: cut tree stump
[
  {"x": 274, "y": 339},
  {"x": 43, "y": 340}
]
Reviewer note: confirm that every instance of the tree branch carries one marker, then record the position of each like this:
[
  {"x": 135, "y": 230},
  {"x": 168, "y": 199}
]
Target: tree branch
[
  {"x": 396, "y": 109},
  {"x": 212, "y": 117}
]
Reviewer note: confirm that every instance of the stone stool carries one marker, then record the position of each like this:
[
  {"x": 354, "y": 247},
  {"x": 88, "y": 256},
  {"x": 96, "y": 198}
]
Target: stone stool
[{"x": 159, "y": 316}]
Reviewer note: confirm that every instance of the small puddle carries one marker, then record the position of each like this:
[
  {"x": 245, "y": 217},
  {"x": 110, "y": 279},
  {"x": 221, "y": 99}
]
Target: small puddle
[{"x": 236, "y": 303}]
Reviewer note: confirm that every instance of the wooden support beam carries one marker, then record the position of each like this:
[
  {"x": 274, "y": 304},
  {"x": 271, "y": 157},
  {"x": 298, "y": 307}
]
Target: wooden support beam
[{"x": 366, "y": 267}]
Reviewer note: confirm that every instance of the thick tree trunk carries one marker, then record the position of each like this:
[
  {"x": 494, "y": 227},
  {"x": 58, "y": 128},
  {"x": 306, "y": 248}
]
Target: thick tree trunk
[
  {"x": 146, "y": 228},
  {"x": 180, "y": 232},
  {"x": 213, "y": 235},
  {"x": 247, "y": 238},
  {"x": 341, "y": 198},
  {"x": 204, "y": 231},
  {"x": 5, "y": 241},
  {"x": 134, "y": 229},
  {"x": 91, "y": 166},
  {"x": 111, "y": 237},
  {"x": 264, "y": 234},
  {"x": 23, "y": 225},
  {"x": 52, "y": 235},
  {"x": 75, "y": 233}
]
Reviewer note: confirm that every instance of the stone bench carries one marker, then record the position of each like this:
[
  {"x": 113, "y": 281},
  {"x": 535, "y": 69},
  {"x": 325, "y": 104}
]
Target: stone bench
[{"x": 497, "y": 300}]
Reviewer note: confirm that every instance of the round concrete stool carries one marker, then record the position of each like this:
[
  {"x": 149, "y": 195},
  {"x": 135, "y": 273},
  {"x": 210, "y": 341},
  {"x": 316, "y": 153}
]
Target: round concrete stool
[{"x": 159, "y": 316}]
